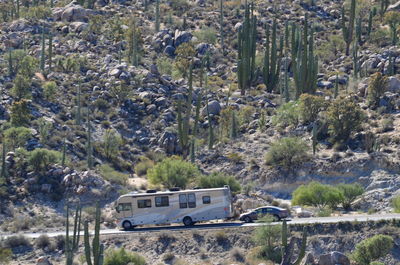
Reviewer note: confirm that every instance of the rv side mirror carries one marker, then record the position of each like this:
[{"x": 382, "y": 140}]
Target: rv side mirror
[{"x": 117, "y": 208}]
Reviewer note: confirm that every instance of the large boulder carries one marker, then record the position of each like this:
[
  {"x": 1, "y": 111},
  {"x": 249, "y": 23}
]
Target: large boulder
[
  {"x": 169, "y": 141},
  {"x": 43, "y": 261},
  {"x": 393, "y": 83},
  {"x": 182, "y": 37},
  {"x": 334, "y": 258},
  {"x": 213, "y": 107},
  {"x": 73, "y": 12}
]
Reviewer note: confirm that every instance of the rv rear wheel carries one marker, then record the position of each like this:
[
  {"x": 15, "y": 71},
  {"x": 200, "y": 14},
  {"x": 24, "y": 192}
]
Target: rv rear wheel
[
  {"x": 187, "y": 221},
  {"x": 127, "y": 225}
]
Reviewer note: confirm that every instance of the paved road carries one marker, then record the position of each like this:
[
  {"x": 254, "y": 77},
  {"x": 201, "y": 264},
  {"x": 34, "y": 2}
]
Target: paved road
[{"x": 228, "y": 225}]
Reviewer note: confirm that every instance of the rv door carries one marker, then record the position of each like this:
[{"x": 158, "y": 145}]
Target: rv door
[{"x": 125, "y": 209}]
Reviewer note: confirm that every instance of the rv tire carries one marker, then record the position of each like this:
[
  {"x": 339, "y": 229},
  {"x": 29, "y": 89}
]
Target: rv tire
[
  {"x": 187, "y": 221},
  {"x": 127, "y": 225}
]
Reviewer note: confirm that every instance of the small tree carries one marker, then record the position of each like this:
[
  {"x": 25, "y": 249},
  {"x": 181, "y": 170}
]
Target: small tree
[
  {"x": 184, "y": 58},
  {"x": 376, "y": 88},
  {"x": 21, "y": 88},
  {"x": 49, "y": 90},
  {"x": 172, "y": 172},
  {"x": 16, "y": 137},
  {"x": 20, "y": 113},
  {"x": 350, "y": 193},
  {"x": 392, "y": 19},
  {"x": 40, "y": 159},
  {"x": 317, "y": 195},
  {"x": 344, "y": 117},
  {"x": 111, "y": 143},
  {"x": 372, "y": 249},
  {"x": 310, "y": 106},
  {"x": 287, "y": 153}
]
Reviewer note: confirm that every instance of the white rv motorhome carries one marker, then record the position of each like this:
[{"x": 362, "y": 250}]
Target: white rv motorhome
[{"x": 174, "y": 206}]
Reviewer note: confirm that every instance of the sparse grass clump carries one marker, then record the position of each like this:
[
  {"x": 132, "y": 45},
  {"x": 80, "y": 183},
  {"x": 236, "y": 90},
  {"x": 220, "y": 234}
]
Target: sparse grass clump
[
  {"x": 43, "y": 241},
  {"x": 16, "y": 241},
  {"x": 396, "y": 204},
  {"x": 144, "y": 165}
]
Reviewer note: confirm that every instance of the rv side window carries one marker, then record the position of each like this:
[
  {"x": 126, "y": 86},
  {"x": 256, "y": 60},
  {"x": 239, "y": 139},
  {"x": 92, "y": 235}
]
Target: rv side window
[
  {"x": 182, "y": 201},
  {"x": 192, "y": 200},
  {"x": 206, "y": 199},
  {"x": 124, "y": 207},
  {"x": 144, "y": 203},
  {"x": 162, "y": 201}
]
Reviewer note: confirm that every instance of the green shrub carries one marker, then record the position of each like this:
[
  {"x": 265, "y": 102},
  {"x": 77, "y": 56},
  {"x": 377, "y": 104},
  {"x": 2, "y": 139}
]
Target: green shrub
[
  {"x": 40, "y": 159},
  {"x": 113, "y": 176},
  {"x": 372, "y": 249},
  {"x": 5, "y": 255},
  {"x": 287, "y": 153},
  {"x": 164, "y": 65},
  {"x": 317, "y": 195},
  {"x": 20, "y": 113},
  {"x": 38, "y": 12},
  {"x": 173, "y": 172},
  {"x": 17, "y": 136},
  {"x": 396, "y": 204},
  {"x": 376, "y": 88},
  {"x": 218, "y": 180},
  {"x": 377, "y": 263},
  {"x": 287, "y": 114},
  {"x": 324, "y": 212},
  {"x": 123, "y": 257},
  {"x": 49, "y": 90},
  {"x": 44, "y": 128},
  {"x": 310, "y": 106},
  {"x": 21, "y": 88},
  {"x": 268, "y": 236},
  {"x": 28, "y": 66},
  {"x": 144, "y": 165},
  {"x": 206, "y": 34},
  {"x": 350, "y": 193},
  {"x": 344, "y": 117}
]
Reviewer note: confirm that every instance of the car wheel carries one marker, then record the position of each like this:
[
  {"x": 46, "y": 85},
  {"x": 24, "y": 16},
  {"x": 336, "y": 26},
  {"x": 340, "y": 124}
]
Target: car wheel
[
  {"x": 247, "y": 219},
  {"x": 127, "y": 225},
  {"x": 187, "y": 221}
]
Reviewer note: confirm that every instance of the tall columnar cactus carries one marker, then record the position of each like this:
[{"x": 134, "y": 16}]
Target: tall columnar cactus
[
  {"x": 272, "y": 64},
  {"x": 384, "y": 5},
  {"x": 43, "y": 52},
  {"x": 221, "y": 23},
  {"x": 97, "y": 249},
  {"x": 78, "y": 104},
  {"x": 157, "y": 11},
  {"x": 370, "y": 18},
  {"x": 134, "y": 41},
  {"x": 391, "y": 67},
  {"x": 356, "y": 64},
  {"x": 3, "y": 161},
  {"x": 359, "y": 30},
  {"x": 64, "y": 150},
  {"x": 17, "y": 9},
  {"x": 89, "y": 147},
  {"x": 348, "y": 29},
  {"x": 336, "y": 87},
  {"x": 186, "y": 140},
  {"x": 71, "y": 246},
  {"x": 50, "y": 50},
  {"x": 233, "y": 129},
  {"x": 304, "y": 63},
  {"x": 314, "y": 137},
  {"x": 247, "y": 49},
  {"x": 10, "y": 63},
  {"x": 287, "y": 249}
]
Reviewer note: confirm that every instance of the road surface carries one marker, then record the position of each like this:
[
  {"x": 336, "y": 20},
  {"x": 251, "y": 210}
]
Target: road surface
[{"x": 226, "y": 225}]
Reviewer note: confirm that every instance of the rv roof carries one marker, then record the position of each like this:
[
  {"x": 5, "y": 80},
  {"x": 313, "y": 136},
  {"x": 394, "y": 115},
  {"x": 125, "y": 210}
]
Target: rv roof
[{"x": 137, "y": 194}]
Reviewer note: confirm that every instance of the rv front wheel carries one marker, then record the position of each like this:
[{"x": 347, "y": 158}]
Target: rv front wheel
[
  {"x": 187, "y": 221},
  {"x": 127, "y": 225}
]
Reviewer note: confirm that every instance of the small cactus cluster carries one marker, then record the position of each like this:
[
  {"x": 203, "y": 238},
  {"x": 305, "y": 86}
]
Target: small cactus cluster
[
  {"x": 348, "y": 29},
  {"x": 71, "y": 246},
  {"x": 287, "y": 249}
]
